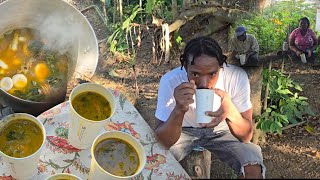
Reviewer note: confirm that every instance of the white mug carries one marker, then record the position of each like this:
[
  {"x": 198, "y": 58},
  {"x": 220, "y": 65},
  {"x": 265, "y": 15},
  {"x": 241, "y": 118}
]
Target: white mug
[
  {"x": 242, "y": 59},
  {"x": 303, "y": 58},
  {"x": 204, "y": 102},
  {"x": 25, "y": 167},
  {"x": 83, "y": 131}
]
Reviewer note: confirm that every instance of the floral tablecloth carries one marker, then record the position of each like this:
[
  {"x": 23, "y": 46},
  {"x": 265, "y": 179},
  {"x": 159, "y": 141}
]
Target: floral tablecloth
[{"x": 58, "y": 156}]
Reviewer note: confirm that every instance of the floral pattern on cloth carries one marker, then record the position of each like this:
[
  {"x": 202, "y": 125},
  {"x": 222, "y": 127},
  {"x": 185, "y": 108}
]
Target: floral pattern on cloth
[{"x": 58, "y": 156}]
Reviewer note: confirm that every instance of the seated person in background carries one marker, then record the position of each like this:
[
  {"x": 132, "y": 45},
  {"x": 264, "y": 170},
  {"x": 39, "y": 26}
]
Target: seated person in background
[
  {"x": 244, "y": 43},
  {"x": 303, "y": 40},
  {"x": 229, "y": 133}
]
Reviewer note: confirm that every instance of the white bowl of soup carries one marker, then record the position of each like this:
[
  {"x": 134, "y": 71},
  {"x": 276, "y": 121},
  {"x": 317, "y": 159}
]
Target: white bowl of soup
[
  {"x": 22, "y": 137},
  {"x": 63, "y": 29},
  {"x": 63, "y": 176},
  {"x": 116, "y": 155}
]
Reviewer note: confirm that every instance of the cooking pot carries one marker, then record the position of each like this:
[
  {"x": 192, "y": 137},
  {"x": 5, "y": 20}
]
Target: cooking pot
[{"x": 67, "y": 28}]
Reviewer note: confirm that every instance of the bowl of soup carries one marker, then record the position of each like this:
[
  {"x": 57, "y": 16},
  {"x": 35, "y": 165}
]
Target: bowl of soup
[
  {"x": 116, "y": 155},
  {"x": 91, "y": 107},
  {"x": 63, "y": 176},
  {"x": 22, "y": 137},
  {"x": 40, "y": 41}
]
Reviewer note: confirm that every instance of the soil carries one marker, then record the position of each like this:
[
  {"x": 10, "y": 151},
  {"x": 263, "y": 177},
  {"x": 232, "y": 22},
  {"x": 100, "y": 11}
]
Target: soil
[{"x": 294, "y": 154}]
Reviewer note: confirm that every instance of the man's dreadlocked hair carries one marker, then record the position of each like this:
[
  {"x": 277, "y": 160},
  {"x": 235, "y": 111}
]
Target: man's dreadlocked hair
[{"x": 202, "y": 46}]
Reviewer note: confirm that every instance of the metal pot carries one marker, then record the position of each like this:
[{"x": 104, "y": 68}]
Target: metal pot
[{"x": 51, "y": 16}]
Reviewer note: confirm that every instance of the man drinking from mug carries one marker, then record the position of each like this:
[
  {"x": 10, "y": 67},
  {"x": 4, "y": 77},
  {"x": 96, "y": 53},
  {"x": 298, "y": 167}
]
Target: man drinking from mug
[{"x": 228, "y": 135}]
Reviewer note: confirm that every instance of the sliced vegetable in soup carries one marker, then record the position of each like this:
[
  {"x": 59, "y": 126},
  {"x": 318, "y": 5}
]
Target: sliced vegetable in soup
[
  {"x": 92, "y": 106},
  {"x": 20, "y": 138},
  {"x": 117, "y": 157}
]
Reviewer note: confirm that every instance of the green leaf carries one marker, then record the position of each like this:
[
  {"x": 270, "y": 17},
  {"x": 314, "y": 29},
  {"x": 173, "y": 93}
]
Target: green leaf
[
  {"x": 272, "y": 127},
  {"x": 303, "y": 98},
  {"x": 113, "y": 73},
  {"x": 279, "y": 124},
  {"x": 309, "y": 111},
  {"x": 179, "y": 39},
  {"x": 284, "y": 91},
  {"x": 268, "y": 110},
  {"x": 150, "y": 6},
  {"x": 298, "y": 114},
  {"x": 293, "y": 120},
  {"x": 309, "y": 129},
  {"x": 279, "y": 130},
  {"x": 298, "y": 87}
]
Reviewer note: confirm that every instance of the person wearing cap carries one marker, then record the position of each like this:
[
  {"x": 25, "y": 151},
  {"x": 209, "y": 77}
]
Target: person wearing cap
[{"x": 244, "y": 43}]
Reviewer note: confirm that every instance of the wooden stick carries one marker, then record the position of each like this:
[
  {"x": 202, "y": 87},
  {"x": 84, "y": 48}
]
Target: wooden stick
[{"x": 293, "y": 125}]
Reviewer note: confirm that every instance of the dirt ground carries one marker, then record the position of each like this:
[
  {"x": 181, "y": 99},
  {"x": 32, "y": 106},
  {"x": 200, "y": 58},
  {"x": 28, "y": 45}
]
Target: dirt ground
[{"x": 294, "y": 154}]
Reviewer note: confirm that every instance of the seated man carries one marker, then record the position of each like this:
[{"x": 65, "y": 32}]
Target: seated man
[
  {"x": 229, "y": 133},
  {"x": 244, "y": 43}
]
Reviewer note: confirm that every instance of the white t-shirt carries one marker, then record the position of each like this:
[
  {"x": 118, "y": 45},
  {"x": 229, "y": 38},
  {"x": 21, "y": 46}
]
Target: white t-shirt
[{"x": 232, "y": 79}]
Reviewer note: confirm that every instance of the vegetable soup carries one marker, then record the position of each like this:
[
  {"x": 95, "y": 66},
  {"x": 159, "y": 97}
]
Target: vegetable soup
[
  {"x": 117, "y": 157},
  {"x": 92, "y": 106},
  {"x": 20, "y": 138},
  {"x": 28, "y": 68}
]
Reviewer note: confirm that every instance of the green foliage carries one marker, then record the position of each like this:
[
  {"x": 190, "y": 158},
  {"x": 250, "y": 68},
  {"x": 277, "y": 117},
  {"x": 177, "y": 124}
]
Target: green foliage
[
  {"x": 117, "y": 41},
  {"x": 159, "y": 8},
  {"x": 179, "y": 40},
  {"x": 271, "y": 26},
  {"x": 285, "y": 106}
]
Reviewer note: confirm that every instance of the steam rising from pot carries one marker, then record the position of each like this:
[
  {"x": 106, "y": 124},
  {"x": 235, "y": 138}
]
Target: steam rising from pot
[{"x": 60, "y": 31}]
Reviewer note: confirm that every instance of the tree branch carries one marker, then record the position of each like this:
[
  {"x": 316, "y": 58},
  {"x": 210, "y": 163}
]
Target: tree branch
[{"x": 224, "y": 14}]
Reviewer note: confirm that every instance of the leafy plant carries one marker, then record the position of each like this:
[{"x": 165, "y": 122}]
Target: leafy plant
[
  {"x": 285, "y": 106},
  {"x": 117, "y": 41}
]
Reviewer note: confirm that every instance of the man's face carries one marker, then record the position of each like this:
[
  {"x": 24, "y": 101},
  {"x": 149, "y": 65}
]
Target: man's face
[
  {"x": 242, "y": 37},
  {"x": 204, "y": 71}
]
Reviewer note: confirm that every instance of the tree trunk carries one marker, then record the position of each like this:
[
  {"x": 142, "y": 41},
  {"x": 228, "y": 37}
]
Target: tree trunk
[
  {"x": 120, "y": 10},
  {"x": 174, "y": 8},
  {"x": 186, "y": 3},
  {"x": 198, "y": 164},
  {"x": 114, "y": 18}
]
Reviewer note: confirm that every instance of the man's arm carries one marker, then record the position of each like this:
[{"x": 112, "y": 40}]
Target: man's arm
[
  {"x": 240, "y": 124},
  {"x": 254, "y": 47},
  {"x": 169, "y": 132},
  {"x": 315, "y": 42}
]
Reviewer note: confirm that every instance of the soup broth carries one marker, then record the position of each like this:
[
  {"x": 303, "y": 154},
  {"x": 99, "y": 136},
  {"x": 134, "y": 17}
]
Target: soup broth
[
  {"x": 63, "y": 177},
  {"x": 20, "y": 138},
  {"x": 117, "y": 157},
  {"x": 28, "y": 68},
  {"x": 92, "y": 106}
]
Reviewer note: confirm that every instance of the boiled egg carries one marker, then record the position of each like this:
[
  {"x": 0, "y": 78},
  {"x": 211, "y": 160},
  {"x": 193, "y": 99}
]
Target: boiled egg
[
  {"x": 6, "y": 83},
  {"x": 3, "y": 65},
  {"x": 19, "y": 81},
  {"x": 41, "y": 71}
]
